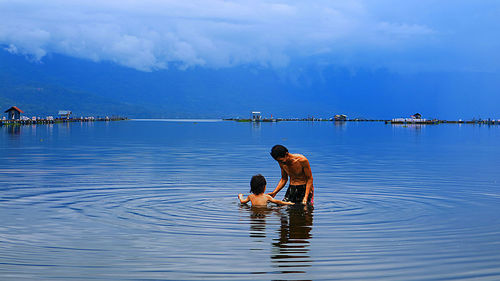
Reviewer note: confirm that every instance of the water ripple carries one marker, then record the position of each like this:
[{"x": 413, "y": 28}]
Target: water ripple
[{"x": 167, "y": 210}]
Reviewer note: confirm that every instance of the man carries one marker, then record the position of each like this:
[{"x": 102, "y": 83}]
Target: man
[{"x": 295, "y": 166}]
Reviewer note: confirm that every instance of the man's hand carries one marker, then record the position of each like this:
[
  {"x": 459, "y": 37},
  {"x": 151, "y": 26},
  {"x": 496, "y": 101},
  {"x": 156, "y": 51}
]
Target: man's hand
[
  {"x": 272, "y": 194},
  {"x": 304, "y": 201}
]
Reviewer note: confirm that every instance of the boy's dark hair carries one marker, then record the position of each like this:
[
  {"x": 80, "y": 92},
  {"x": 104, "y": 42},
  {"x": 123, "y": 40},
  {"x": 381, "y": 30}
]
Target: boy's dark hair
[
  {"x": 278, "y": 151},
  {"x": 258, "y": 184}
]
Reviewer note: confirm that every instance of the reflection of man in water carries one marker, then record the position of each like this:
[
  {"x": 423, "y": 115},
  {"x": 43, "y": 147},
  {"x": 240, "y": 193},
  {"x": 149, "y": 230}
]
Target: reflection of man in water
[
  {"x": 290, "y": 250},
  {"x": 291, "y": 253},
  {"x": 295, "y": 166}
]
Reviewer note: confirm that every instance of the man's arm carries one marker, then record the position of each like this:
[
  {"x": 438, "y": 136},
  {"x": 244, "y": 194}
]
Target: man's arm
[
  {"x": 281, "y": 183},
  {"x": 309, "y": 177}
]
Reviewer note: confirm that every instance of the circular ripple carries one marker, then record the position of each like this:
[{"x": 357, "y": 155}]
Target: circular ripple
[{"x": 347, "y": 232}]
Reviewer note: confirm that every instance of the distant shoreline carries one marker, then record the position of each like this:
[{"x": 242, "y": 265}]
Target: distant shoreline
[
  {"x": 40, "y": 121},
  {"x": 274, "y": 120},
  {"x": 393, "y": 121},
  {"x": 177, "y": 120}
]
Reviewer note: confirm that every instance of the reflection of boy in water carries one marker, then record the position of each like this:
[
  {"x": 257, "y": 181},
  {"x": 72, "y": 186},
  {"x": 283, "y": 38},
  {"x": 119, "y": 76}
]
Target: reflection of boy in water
[
  {"x": 258, "y": 197},
  {"x": 295, "y": 166}
]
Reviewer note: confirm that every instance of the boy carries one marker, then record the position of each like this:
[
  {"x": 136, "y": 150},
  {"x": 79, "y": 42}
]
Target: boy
[{"x": 259, "y": 198}]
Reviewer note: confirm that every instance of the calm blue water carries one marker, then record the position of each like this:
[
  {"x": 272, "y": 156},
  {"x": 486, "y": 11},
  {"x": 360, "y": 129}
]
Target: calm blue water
[{"x": 156, "y": 200}]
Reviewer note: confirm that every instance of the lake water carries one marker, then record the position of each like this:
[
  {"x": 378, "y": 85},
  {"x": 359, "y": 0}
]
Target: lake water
[{"x": 156, "y": 200}]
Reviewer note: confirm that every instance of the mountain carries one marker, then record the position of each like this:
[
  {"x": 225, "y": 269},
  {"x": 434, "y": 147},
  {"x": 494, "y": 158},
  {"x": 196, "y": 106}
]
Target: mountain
[{"x": 300, "y": 90}]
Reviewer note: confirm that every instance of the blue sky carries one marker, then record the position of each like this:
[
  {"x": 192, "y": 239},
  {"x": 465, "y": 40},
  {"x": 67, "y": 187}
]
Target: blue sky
[
  {"x": 148, "y": 35},
  {"x": 365, "y": 58}
]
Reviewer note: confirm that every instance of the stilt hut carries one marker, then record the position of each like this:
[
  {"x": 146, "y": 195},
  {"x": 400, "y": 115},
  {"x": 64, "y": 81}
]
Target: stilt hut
[
  {"x": 64, "y": 114},
  {"x": 14, "y": 113},
  {"x": 256, "y": 116},
  {"x": 340, "y": 117}
]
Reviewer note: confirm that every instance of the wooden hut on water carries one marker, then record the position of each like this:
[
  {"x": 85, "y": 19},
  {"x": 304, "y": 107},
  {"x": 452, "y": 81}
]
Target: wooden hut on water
[
  {"x": 14, "y": 113},
  {"x": 340, "y": 117},
  {"x": 416, "y": 116},
  {"x": 256, "y": 116},
  {"x": 64, "y": 114}
]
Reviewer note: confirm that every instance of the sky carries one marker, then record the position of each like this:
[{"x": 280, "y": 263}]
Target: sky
[{"x": 151, "y": 35}]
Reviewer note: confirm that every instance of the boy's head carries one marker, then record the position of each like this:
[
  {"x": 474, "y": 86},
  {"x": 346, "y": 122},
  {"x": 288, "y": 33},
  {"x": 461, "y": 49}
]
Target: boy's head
[
  {"x": 279, "y": 153},
  {"x": 258, "y": 184}
]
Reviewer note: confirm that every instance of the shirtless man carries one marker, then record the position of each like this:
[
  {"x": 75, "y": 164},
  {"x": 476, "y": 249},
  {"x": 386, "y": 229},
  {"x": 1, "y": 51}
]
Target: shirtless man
[{"x": 295, "y": 166}]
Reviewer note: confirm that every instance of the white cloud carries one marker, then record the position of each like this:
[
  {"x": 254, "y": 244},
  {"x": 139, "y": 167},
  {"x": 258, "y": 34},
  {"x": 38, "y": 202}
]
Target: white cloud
[
  {"x": 404, "y": 29},
  {"x": 151, "y": 34}
]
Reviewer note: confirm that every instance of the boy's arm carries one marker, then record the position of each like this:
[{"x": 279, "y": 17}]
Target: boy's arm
[
  {"x": 281, "y": 184},
  {"x": 309, "y": 176},
  {"x": 243, "y": 201},
  {"x": 276, "y": 201}
]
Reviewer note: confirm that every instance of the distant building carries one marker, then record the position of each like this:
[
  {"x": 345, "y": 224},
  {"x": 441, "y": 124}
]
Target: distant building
[
  {"x": 14, "y": 113},
  {"x": 64, "y": 113},
  {"x": 256, "y": 116},
  {"x": 416, "y": 116},
  {"x": 340, "y": 117}
]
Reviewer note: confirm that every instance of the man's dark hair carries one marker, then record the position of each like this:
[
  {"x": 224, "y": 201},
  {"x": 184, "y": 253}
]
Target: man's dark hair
[
  {"x": 258, "y": 184},
  {"x": 278, "y": 151}
]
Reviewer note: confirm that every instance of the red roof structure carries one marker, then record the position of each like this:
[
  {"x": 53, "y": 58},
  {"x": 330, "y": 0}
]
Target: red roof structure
[{"x": 14, "y": 108}]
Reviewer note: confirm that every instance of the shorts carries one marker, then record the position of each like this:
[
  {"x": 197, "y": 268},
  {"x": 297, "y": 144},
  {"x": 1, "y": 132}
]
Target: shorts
[{"x": 295, "y": 194}]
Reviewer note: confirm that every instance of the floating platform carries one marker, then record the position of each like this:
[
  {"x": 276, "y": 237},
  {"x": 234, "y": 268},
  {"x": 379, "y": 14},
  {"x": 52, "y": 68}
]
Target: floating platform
[
  {"x": 412, "y": 121},
  {"x": 58, "y": 120},
  {"x": 398, "y": 121},
  {"x": 252, "y": 120}
]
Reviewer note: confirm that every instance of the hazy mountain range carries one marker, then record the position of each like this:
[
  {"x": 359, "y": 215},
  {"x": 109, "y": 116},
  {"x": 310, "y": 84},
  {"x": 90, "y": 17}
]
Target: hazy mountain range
[{"x": 297, "y": 90}]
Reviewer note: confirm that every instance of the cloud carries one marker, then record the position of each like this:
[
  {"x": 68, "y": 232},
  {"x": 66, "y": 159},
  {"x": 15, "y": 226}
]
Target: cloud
[{"x": 152, "y": 34}]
